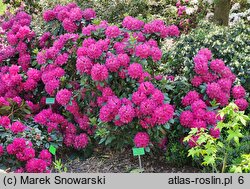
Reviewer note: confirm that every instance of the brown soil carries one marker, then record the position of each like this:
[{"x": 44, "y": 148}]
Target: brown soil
[{"x": 123, "y": 162}]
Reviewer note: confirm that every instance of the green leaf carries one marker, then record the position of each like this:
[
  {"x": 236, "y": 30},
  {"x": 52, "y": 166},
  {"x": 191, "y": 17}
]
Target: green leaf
[
  {"x": 234, "y": 135},
  {"x": 192, "y": 152},
  {"x": 102, "y": 140},
  {"x": 166, "y": 126},
  {"x": 243, "y": 121},
  {"x": 109, "y": 140},
  {"x": 201, "y": 139},
  {"x": 137, "y": 171},
  {"x": 209, "y": 160},
  {"x": 147, "y": 149}
]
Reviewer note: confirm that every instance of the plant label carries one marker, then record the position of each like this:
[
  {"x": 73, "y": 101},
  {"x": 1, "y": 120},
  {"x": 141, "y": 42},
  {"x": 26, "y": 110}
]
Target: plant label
[
  {"x": 50, "y": 100},
  {"x": 138, "y": 151},
  {"x": 52, "y": 150}
]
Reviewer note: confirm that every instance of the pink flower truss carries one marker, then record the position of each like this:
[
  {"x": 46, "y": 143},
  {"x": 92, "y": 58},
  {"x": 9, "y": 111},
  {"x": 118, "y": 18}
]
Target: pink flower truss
[{"x": 141, "y": 140}]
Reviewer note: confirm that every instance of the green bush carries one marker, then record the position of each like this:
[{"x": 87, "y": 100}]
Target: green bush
[
  {"x": 229, "y": 44},
  {"x": 219, "y": 154}
]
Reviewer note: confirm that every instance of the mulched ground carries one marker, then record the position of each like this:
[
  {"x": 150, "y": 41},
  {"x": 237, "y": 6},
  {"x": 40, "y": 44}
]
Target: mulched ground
[{"x": 123, "y": 162}]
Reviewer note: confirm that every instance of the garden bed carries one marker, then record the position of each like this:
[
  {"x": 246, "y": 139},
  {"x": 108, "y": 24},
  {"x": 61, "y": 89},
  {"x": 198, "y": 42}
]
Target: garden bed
[{"x": 123, "y": 162}]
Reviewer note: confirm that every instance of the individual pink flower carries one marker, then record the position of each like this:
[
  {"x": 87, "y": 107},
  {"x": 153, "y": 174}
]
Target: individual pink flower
[
  {"x": 5, "y": 121},
  {"x": 158, "y": 96},
  {"x": 17, "y": 127},
  {"x": 170, "y": 77},
  {"x": 36, "y": 166},
  {"x": 158, "y": 77},
  {"x": 217, "y": 65},
  {"x": 44, "y": 38},
  {"x": 83, "y": 122},
  {"x": 172, "y": 31},
  {"x": 49, "y": 15},
  {"x": 197, "y": 123},
  {"x": 112, "y": 64},
  {"x": 132, "y": 23},
  {"x": 213, "y": 90},
  {"x": 46, "y": 156},
  {"x": 106, "y": 114},
  {"x": 1, "y": 150},
  {"x": 84, "y": 65},
  {"x": 112, "y": 32},
  {"x": 12, "y": 39},
  {"x": 143, "y": 51},
  {"x": 29, "y": 85},
  {"x": 225, "y": 84},
  {"x": 148, "y": 106},
  {"x": 81, "y": 141},
  {"x": 238, "y": 92},
  {"x": 26, "y": 154},
  {"x": 34, "y": 74},
  {"x": 190, "y": 98},
  {"x": 242, "y": 104},
  {"x": 163, "y": 113},
  {"x": 63, "y": 96},
  {"x": 205, "y": 52},
  {"x": 126, "y": 114},
  {"x": 146, "y": 87},
  {"x": 61, "y": 59},
  {"x": 211, "y": 117},
  {"x": 209, "y": 77},
  {"x": 69, "y": 25},
  {"x": 94, "y": 51},
  {"x": 223, "y": 98},
  {"x": 69, "y": 139},
  {"x": 76, "y": 14},
  {"x": 89, "y": 14},
  {"x": 19, "y": 170},
  {"x": 139, "y": 37},
  {"x": 156, "y": 54},
  {"x": 193, "y": 141},
  {"x": 138, "y": 97},
  {"x": 196, "y": 81},
  {"x": 200, "y": 64},
  {"x": 186, "y": 118},
  {"x": 181, "y": 10},
  {"x": 135, "y": 70},
  {"x": 198, "y": 104},
  {"x": 18, "y": 145},
  {"x": 215, "y": 132},
  {"x": 141, "y": 140},
  {"x": 199, "y": 114},
  {"x": 227, "y": 73},
  {"x": 123, "y": 59},
  {"x": 99, "y": 72},
  {"x": 41, "y": 58}
]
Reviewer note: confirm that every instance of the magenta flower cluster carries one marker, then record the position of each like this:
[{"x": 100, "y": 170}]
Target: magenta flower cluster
[
  {"x": 97, "y": 70},
  {"x": 69, "y": 15},
  {"x": 19, "y": 36},
  {"x": 218, "y": 81},
  {"x": 22, "y": 149}
]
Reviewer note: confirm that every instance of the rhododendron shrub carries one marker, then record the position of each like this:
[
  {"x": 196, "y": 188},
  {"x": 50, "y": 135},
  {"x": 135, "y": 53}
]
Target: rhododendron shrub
[
  {"x": 114, "y": 65},
  {"x": 214, "y": 86},
  {"x": 190, "y": 12},
  {"x": 23, "y": 143},
  {"x": 103, "y": 79}
]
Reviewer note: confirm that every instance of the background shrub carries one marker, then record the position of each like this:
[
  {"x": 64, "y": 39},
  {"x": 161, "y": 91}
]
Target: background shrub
[{"x": 229, "y": 44}]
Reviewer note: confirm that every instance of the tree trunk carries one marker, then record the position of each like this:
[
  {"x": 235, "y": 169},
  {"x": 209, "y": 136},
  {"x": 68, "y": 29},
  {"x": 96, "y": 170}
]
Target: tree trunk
[{"x": 221, "y": 12}]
